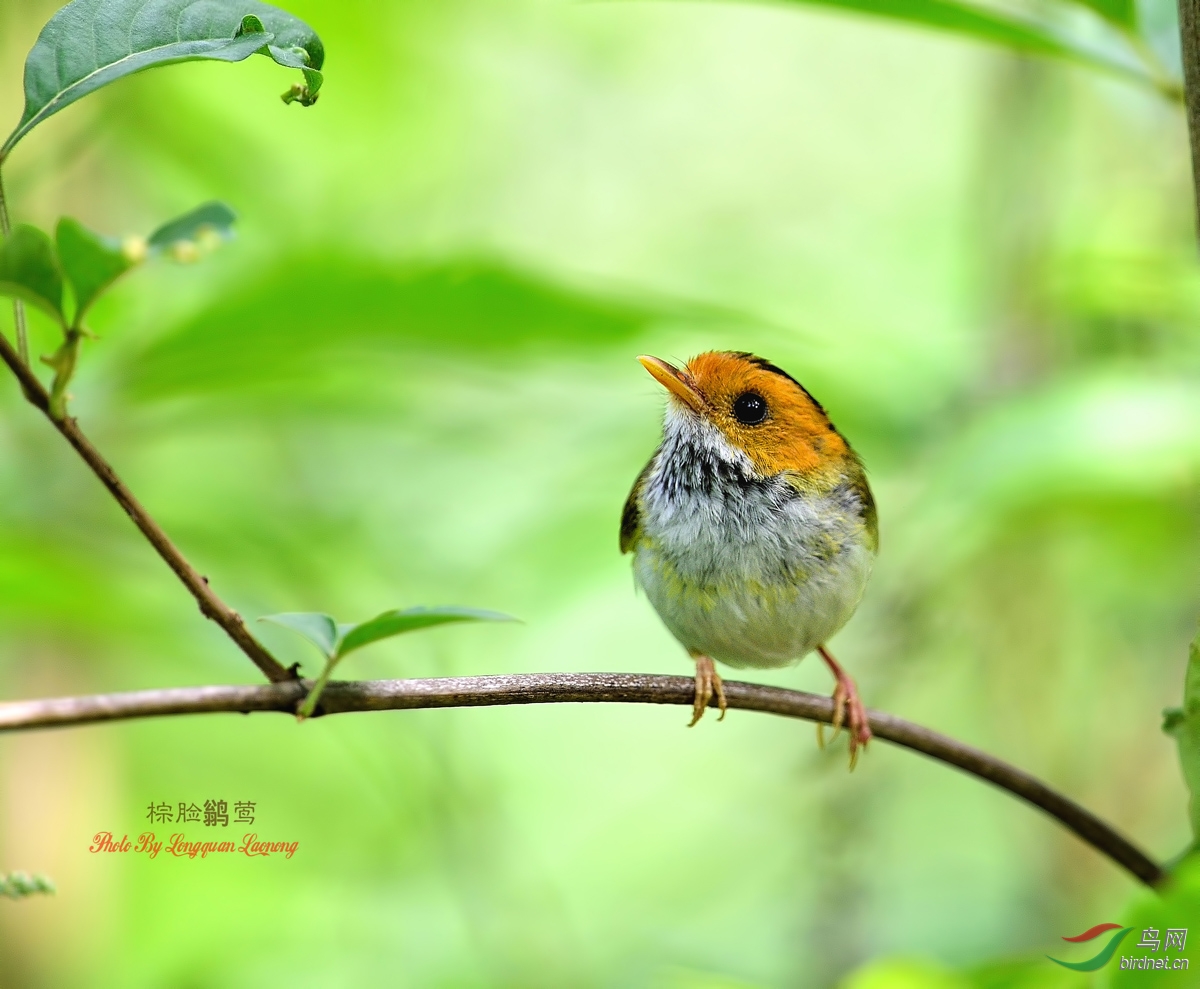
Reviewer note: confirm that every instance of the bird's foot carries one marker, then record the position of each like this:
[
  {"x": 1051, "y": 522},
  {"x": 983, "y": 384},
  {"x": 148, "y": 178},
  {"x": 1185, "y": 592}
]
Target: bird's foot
[
  {"x": 708, "y": 682},
  {"x": 848, "y": 710}
]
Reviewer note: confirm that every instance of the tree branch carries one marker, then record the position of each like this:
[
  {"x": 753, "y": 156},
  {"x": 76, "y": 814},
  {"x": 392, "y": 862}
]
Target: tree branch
[
  {"x": 1189, "y": 37},
  {"x": 211, "y": 606},
  {"x": 560, "y": 688}
]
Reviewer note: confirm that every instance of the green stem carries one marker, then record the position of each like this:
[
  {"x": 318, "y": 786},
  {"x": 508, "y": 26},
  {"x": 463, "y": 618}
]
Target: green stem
[
  {"x": 18, "y": 305},
  {"x": 5, "y": 227},
  {"x": 63, "y": 362},
  {"x": 314, "y": 695}
]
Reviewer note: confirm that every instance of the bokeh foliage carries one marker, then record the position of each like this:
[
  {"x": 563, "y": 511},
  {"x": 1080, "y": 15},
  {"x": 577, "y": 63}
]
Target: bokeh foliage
[{"x": 411, "y": 379}]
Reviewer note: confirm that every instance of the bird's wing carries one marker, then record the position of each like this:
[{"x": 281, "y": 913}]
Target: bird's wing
[
  {"x": 631, "y": 516},
  {"x": 869, "y": 511},
  {"x": 854, "y": 482}
]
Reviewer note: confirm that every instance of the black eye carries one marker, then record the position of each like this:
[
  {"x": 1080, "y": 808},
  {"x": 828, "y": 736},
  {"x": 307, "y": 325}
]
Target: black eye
[{"x": 750, "y": 409}]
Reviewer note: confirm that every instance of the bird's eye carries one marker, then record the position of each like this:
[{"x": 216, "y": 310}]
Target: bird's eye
[{"x": 750, "y": 409}]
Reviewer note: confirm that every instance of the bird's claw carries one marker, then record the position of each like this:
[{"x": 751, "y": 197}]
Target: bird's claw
[
  {"x": 708, "y": 682},
  {"x": 839, "y": 719},
  {"x": 848, "y": 711},
  {"x": 857, "y": 726},
  {"x": 839, "y": 707}
]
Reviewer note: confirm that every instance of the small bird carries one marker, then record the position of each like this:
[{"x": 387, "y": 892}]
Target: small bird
[{"x": 752, "y": 528}]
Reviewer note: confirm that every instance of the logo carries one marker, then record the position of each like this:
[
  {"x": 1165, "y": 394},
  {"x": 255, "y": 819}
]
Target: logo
[
  {"x": 1104, "y": 955},
  {"x": 1175, "y": 937}
]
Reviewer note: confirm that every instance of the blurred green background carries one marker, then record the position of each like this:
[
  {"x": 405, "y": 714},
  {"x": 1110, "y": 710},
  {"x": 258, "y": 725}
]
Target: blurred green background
[{"x": 411, "y": 380}]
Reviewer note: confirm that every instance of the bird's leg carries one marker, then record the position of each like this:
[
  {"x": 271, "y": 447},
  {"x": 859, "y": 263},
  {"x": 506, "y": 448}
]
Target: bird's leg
[
  {"x": 847, "y": 708},
  {"x": 708, "y": 682}
]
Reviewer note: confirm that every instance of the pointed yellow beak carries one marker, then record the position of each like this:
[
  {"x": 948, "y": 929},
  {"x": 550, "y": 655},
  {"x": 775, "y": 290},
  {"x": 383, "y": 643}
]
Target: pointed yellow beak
[{"x": 677, "y": 382}]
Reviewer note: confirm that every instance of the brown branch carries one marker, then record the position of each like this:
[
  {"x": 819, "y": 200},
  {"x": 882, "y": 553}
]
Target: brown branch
[
  {"x": 211, "y": 606},
  {"x": 1189, "y": 38},
  {"x": 561, "y": 688}
]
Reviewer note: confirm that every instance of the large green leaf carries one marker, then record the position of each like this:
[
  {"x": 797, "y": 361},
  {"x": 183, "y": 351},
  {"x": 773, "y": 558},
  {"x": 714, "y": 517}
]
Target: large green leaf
[
  {"x": 90, "y": 261},
  {"x": 90, "y": 43},
  {"x": 1123, "y": 13},
  {"x": 1184, "y": 725},
  {"x": 396, "y": 622},
  {"x": 274, "y": 334},
  {"x": 992, "y": 25},
  {"x": 29, "y": 270}
]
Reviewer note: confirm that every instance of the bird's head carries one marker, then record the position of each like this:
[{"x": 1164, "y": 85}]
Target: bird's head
[{"x": 756, "y": 407}]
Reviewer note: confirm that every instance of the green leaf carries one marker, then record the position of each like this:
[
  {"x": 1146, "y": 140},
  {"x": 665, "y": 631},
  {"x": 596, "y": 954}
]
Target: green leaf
[
  {"x": 1123, "y": 13},
  {"x": 90, "y": 43},
  {"x": 336, "y": 640},
  {"x": 29, "y": 270},
  {"x": 183, "y": 237},
  {"x": 395, "y": 622},
  {"x": 994, "y": 26},
  {"x": 1184, "y": 725},
  {"x": 17, "y": 885},
  {"x": 294, "y": 57},
  {"x": 319, "y": 629},
  {"x": 272, "y": 337},
  {"x": 91, "y": 262},
  {"x": 250, "y": 25}
]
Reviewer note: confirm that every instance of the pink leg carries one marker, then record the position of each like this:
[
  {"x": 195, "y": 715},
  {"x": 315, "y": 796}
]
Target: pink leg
[{"x": 847, "y": 707}]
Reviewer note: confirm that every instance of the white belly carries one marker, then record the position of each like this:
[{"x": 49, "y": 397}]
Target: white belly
[
  {"x": 746, "y": 621},
  {"x": 753, "y": 575}
]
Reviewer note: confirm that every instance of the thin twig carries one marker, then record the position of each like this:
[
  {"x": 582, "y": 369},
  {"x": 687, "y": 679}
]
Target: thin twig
[
  {"x": 211, "y": 606},
  {"x": 17, "y": 305},
  {"x": 559, "y": 688}
]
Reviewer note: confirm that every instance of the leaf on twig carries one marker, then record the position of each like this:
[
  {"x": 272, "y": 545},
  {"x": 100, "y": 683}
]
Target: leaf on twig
[
  {"x": 335, "y": 640},
  {"x": 396, "y": 622},
  {"x": 294, "y": 57},
  {"x": 90, "y": 43},
  {"x": 91, "y": 262},
  {"x": 1183, "y": 724},
  {"x": 29, "y": 270},
  {"x": 183, "y": 238},
  {"x": 319, "y": 629}
]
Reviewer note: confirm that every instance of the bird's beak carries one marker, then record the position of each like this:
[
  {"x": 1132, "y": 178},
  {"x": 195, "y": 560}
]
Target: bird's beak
[{"x": 677, "y": 382}]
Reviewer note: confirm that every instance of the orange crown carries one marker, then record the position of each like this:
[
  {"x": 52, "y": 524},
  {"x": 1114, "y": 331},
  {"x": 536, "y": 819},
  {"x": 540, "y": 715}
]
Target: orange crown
[{"x": 759, "y": 408}]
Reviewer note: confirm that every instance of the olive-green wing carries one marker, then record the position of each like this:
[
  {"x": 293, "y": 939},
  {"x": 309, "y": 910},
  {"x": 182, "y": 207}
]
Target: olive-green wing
[
  {"x": 870, "y": 513},
  {"x": 631, "y": 515},
  {"x": 854, "y": 478}
]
